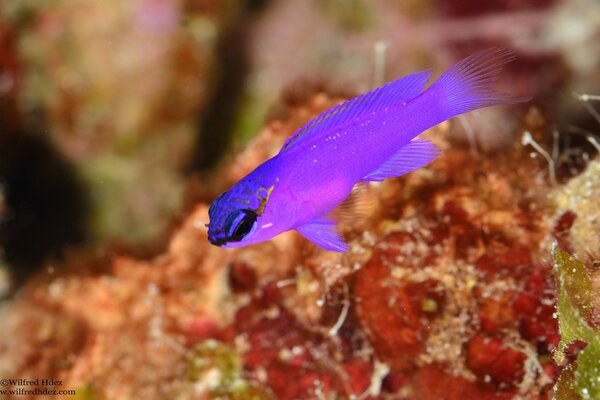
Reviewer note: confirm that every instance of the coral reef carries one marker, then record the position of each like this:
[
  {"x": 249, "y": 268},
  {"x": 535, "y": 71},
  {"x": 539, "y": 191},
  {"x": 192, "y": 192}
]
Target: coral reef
[
  {"x": 577, "y": 198},
  {"x": 450, "y": 289},
  {"x": 579, "y": 380},
  {"x": 445, "y": 290}
]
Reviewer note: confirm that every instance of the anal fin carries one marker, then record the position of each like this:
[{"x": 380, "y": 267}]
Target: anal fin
[
  {"x": 416, "y": 154},
  {"x": 322, "y": 233}
]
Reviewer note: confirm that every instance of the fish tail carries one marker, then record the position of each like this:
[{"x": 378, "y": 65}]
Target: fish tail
[{"x": 469, "y": 84}]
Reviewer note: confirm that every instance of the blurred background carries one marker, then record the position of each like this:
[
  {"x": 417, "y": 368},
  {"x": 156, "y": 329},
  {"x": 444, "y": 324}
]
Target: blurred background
[
  {"x": 120, "y": 121},
  {"x": 113, "y": 114}
]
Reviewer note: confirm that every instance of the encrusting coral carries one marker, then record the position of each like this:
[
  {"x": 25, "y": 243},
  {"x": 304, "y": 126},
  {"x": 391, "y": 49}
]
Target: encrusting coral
[
  {"x": 577, "y": 200},
  {"x": 446, "y": 292}
]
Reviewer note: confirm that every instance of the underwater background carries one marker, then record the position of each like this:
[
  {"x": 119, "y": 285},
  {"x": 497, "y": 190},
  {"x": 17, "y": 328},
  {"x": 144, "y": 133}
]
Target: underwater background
[{"x": 477, "y": 277}]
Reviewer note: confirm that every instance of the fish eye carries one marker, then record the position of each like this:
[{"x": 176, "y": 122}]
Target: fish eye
[{"x": 239, "y": 224}]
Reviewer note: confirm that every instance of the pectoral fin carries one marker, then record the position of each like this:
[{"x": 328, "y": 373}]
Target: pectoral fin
[
  {"x": 322, "y": 233},
  {"x": 416, "y": 154},
  {"x": 356, "y": 207}
]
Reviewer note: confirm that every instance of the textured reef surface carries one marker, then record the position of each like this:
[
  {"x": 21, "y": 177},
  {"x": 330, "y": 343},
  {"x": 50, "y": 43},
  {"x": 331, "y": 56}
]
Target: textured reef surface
[
  {"x": 447, "y": 292},
  {"x": 575, "y": 310},
  {"x": 476, "y": 277}
]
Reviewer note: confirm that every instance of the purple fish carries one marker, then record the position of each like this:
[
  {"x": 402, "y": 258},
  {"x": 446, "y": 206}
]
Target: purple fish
[{"x": 367, "y": 139}]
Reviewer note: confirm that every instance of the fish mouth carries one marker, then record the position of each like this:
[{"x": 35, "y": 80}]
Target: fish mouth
[{"x": 217, "y": 242}]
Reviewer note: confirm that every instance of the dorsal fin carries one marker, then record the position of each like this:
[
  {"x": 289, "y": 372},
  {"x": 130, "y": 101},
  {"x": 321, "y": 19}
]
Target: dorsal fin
[{"x": 391, "y": 94}]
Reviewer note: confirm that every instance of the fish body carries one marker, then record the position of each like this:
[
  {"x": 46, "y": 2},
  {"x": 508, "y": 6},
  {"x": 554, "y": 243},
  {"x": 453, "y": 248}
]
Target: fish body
[{"x": 366, "y": 139}]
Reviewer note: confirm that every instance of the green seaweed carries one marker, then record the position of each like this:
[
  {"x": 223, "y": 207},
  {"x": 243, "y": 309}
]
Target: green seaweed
[
  {"x": 353, "y": 15},
  {"x": 86, "y": 392},
  {"x": 574, "y": 306},
  {"x": 218, "y": 368}
]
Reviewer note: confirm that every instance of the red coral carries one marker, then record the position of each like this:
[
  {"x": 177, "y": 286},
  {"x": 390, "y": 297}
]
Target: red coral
[
  {"x": 496, "y": 313},
  {"x": 491, "y": 358},
  {"x": 562, "y": 228},
  {"x": 359, "y": 375},
  {"x": 462, "y": 230},
  {"x": 394, "y": 382},
  {"x": 535, "y": 310},
  {"x": 432, "y": 383},
  {"x": 394, "y": 314},
  {"x": 502, "y": 259},
  {"x": 200, "y": 329},
  {"x": 298, "y": 362},
  {"x": 242, "y": 277}
]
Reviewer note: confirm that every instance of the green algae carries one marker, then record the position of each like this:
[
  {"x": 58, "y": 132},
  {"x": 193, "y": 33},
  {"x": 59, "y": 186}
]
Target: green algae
[
  {"x": 574, "y": 307},
  {"x": 217, "y": 368},
  {"x": 587, "y": 374},
  {"x": 86, "y": 392},
  {"x": 353, "y": 15}
]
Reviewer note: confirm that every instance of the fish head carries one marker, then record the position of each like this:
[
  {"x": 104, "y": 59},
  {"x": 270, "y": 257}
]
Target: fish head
[
  {"x": 228, "y": 224},
  {"x": 238, "y": 217}
]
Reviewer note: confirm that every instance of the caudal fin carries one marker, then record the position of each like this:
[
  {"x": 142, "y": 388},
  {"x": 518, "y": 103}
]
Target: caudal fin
[{"x": 469, "y": 84}]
